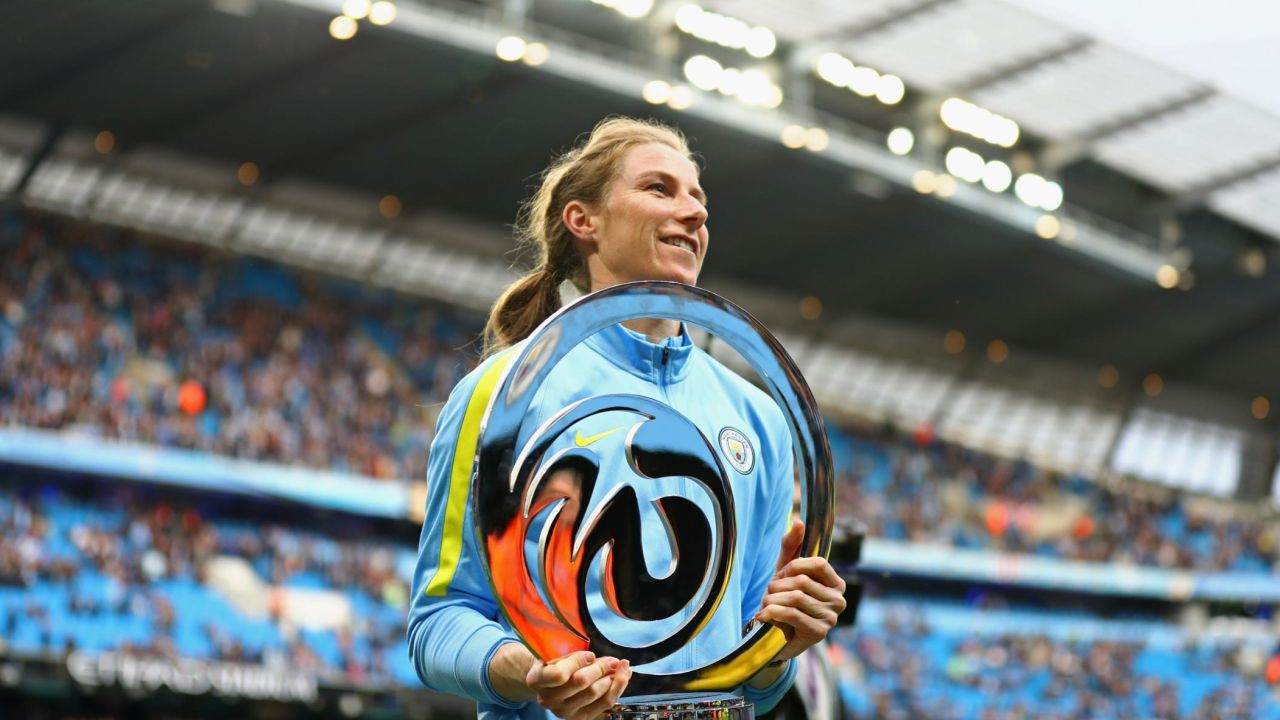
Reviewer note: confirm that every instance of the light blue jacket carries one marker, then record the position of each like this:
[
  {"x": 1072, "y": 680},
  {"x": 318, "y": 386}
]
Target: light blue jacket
[{"x": 454, "y": 624}]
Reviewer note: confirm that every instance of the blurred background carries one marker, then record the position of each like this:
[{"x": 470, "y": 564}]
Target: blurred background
[{"x": 1024, "y": 251}]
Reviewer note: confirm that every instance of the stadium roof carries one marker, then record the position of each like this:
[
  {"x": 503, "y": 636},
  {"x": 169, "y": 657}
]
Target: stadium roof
[{"x": 1160, "y": 166}]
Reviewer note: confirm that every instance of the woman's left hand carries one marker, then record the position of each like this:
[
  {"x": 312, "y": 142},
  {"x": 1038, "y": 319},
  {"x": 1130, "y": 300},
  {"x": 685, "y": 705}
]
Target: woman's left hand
[{"x": 805, "y": 597}]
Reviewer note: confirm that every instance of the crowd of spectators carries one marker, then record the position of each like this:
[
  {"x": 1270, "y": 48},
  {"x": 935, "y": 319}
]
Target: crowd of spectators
[
  {"x": 117, "y": 559},
  {"x": 934, "y": 491},
  {"x": 904, "y": 669},
  {"x": 105, "y": 334}
]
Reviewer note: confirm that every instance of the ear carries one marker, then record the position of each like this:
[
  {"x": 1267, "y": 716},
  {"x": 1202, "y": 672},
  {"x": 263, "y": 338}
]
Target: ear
[{"x": 580, "y": 221}]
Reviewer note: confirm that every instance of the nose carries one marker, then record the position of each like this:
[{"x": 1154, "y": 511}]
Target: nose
[{"x": 692, "y": 212}]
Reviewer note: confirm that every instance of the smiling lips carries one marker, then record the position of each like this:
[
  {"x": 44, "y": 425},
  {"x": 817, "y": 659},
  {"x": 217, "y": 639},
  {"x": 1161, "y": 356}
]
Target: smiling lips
[{"x": 681, "y": 242}]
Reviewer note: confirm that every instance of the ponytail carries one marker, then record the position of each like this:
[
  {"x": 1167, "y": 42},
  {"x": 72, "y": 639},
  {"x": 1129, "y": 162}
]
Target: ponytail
[{"x": 521, "y": 309}]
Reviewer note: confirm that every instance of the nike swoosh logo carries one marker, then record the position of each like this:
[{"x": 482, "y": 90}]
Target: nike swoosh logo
[{"x": 583, "y": 441}]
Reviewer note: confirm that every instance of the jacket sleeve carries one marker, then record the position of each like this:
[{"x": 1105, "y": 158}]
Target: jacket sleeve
[
  {"x": 771, "y": 521},
  {"x": 453, "y": 630}
]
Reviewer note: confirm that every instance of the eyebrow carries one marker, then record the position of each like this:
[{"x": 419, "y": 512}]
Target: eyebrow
[{"x": 697, "y": 192}]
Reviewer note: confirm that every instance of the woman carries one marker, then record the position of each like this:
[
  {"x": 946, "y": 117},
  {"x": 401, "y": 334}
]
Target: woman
[{"x": 625, "y": 205}]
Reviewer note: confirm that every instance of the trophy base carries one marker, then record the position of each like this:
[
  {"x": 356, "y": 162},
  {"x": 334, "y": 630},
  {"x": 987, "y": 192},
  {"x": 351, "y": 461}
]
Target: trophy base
[{"x": 682, "y": 706}]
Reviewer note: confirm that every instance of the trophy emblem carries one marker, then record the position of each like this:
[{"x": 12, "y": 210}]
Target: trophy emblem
[{"x": 557, "y": 508}]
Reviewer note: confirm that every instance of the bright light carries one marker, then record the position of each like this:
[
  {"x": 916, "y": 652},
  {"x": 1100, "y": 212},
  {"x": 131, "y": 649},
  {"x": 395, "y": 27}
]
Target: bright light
[
  {"x": 996, "y": 176},
  {"x": 864, "y": 81},
  {"x": 633, "y": 9},
  {"x": 900, "y": 141},
  {"x": 248, "y": 173},
  {"x": 536, "y": 53},
  {"x": 1029, "y": 188},
  {"x": 890, "y": 89},
  {"x": 703, "y": 72},
  {"x": 835, "y": 69},
  {"x": 104, "y": 141},
  {"x": 1260, "y": 407},
  {"x": 688, "y": 18},
  {"x": 389, "y": 207},
  {"x": 773, "y": 97},
  {"x": 656, "y": 92},
  {"x": 1038, "y": 192},
  {"x": 755, "y": 88},
  {"x": 924, "y": 182},
  {"x": 681, "y": 97},
  {"x": 725, "y": 31},
  {"x": 730, "y": 81},
  {"x": 1002, "y": 131},
  {"x": 355, "y": 9},
  {"x": 1152, "y": 384},
  {"x": 965, "y": 164},
  {"x": 511, "y": 48},
  {"x": 946, "y": 186},
  {"x": 752, "y": 87},
  {"x": 997, "y": 351},
  {"x": 382, "y": 13},
  {"x": 967, "y": 118},
  {"x": 954, "y": 113},
  {"x": 761, "y": 42},
  {"x": 1048, "y": 227},
  {"x": 1051, "y": 196},
  {"x": 793, "y": 136},
  {"x": 1167, "y": 277},
  {"x": 816, "y": 139},
  {"x": 342, "y": 28}
]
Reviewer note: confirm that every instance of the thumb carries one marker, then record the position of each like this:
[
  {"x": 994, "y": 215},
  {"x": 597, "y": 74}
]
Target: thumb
[{"x": 790, "y": 544}]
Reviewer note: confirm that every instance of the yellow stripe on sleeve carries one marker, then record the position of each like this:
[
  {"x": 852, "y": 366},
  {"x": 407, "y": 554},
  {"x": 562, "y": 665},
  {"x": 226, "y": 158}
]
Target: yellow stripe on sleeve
[{"x": 464, "y": 455}]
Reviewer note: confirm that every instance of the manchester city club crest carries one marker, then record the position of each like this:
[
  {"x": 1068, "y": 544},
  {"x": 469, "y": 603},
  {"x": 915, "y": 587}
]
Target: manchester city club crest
[{"x": 737, "y": 449}]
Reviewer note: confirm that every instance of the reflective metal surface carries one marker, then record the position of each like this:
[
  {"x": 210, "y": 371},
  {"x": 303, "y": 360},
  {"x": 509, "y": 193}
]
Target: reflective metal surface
[
  {"x": 537, "y": 488},
  {"x": 686, "y": 707}
]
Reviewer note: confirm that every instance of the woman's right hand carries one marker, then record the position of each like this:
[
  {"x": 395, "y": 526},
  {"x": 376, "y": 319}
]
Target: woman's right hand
[{"x": 579, "y": 686}]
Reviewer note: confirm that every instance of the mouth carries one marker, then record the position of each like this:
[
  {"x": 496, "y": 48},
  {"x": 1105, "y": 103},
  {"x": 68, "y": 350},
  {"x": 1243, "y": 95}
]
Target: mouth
[{"x": 681, "y": 241}]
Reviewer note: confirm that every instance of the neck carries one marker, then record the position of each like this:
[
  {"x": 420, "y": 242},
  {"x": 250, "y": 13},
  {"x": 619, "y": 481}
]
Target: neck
[{"x": 655, "y": 330}]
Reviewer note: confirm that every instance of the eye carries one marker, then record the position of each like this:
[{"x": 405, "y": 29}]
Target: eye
[{"x": 657, "y": 187}]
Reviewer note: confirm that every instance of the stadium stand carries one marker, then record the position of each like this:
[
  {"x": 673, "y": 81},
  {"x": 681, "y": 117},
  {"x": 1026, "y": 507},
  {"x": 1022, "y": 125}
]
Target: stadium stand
[
  {"x": 125, "y": 568},
  {"x": 113, "y": 336},
  {"x": 116, "y": 337},
  {"x": 107, "y": 335}
]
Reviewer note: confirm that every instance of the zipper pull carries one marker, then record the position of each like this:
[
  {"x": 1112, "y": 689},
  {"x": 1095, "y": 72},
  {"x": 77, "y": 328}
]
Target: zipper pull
[{"x": 666, "y": 353}]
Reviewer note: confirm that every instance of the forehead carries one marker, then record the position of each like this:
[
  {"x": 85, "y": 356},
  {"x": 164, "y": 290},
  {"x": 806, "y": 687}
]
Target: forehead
[{"x": 654, "y": 156}]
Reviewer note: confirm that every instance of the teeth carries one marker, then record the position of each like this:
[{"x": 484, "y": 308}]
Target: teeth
[{"x": 681, "y": 243}]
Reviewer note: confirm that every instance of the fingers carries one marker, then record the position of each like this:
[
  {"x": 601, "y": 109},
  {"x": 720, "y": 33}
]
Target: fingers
[
  {"x": 806, "y": 627},
  {"x": 617, "y": 683},
  {"x": 821, "y": 586},
  {"x": 790, "y": 544},
  {"x": 824, "y": 610},
  {"x": 807, "y": 597},
  {"x": 582, "y": 682},
  {"x": 557, "y": 672},
  {"x": 579, "y": 686},
  {"x": 815, "y": 567}
]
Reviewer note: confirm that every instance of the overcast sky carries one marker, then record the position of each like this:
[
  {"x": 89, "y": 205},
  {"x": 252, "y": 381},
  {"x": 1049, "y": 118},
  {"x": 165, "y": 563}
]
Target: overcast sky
[{"x": 1233, "y": 45}]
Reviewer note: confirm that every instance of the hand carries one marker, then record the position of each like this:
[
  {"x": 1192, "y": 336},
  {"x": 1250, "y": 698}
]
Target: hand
[
  {"x": 579, "y": 686},
  {"x": 805, "y": 597}
]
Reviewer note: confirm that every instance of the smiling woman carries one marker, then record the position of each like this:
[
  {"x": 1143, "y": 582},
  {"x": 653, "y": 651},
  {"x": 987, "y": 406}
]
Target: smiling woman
[
  {"x": 625, "y": 205},
  {"x": 616, "y": 208}
]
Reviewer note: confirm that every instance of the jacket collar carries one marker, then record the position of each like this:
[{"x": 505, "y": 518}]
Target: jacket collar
[{"x": 633, "y": 352}]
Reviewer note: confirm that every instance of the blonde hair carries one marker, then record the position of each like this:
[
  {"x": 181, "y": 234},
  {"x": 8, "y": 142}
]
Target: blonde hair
[{"x": 584, "y": 173}]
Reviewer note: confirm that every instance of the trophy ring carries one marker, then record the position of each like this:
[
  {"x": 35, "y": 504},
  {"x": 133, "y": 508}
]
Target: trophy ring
[{"x": 541, "y": 587}]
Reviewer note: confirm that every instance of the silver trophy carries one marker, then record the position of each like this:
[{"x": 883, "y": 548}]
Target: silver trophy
[{"x": 545, "y": 562}]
